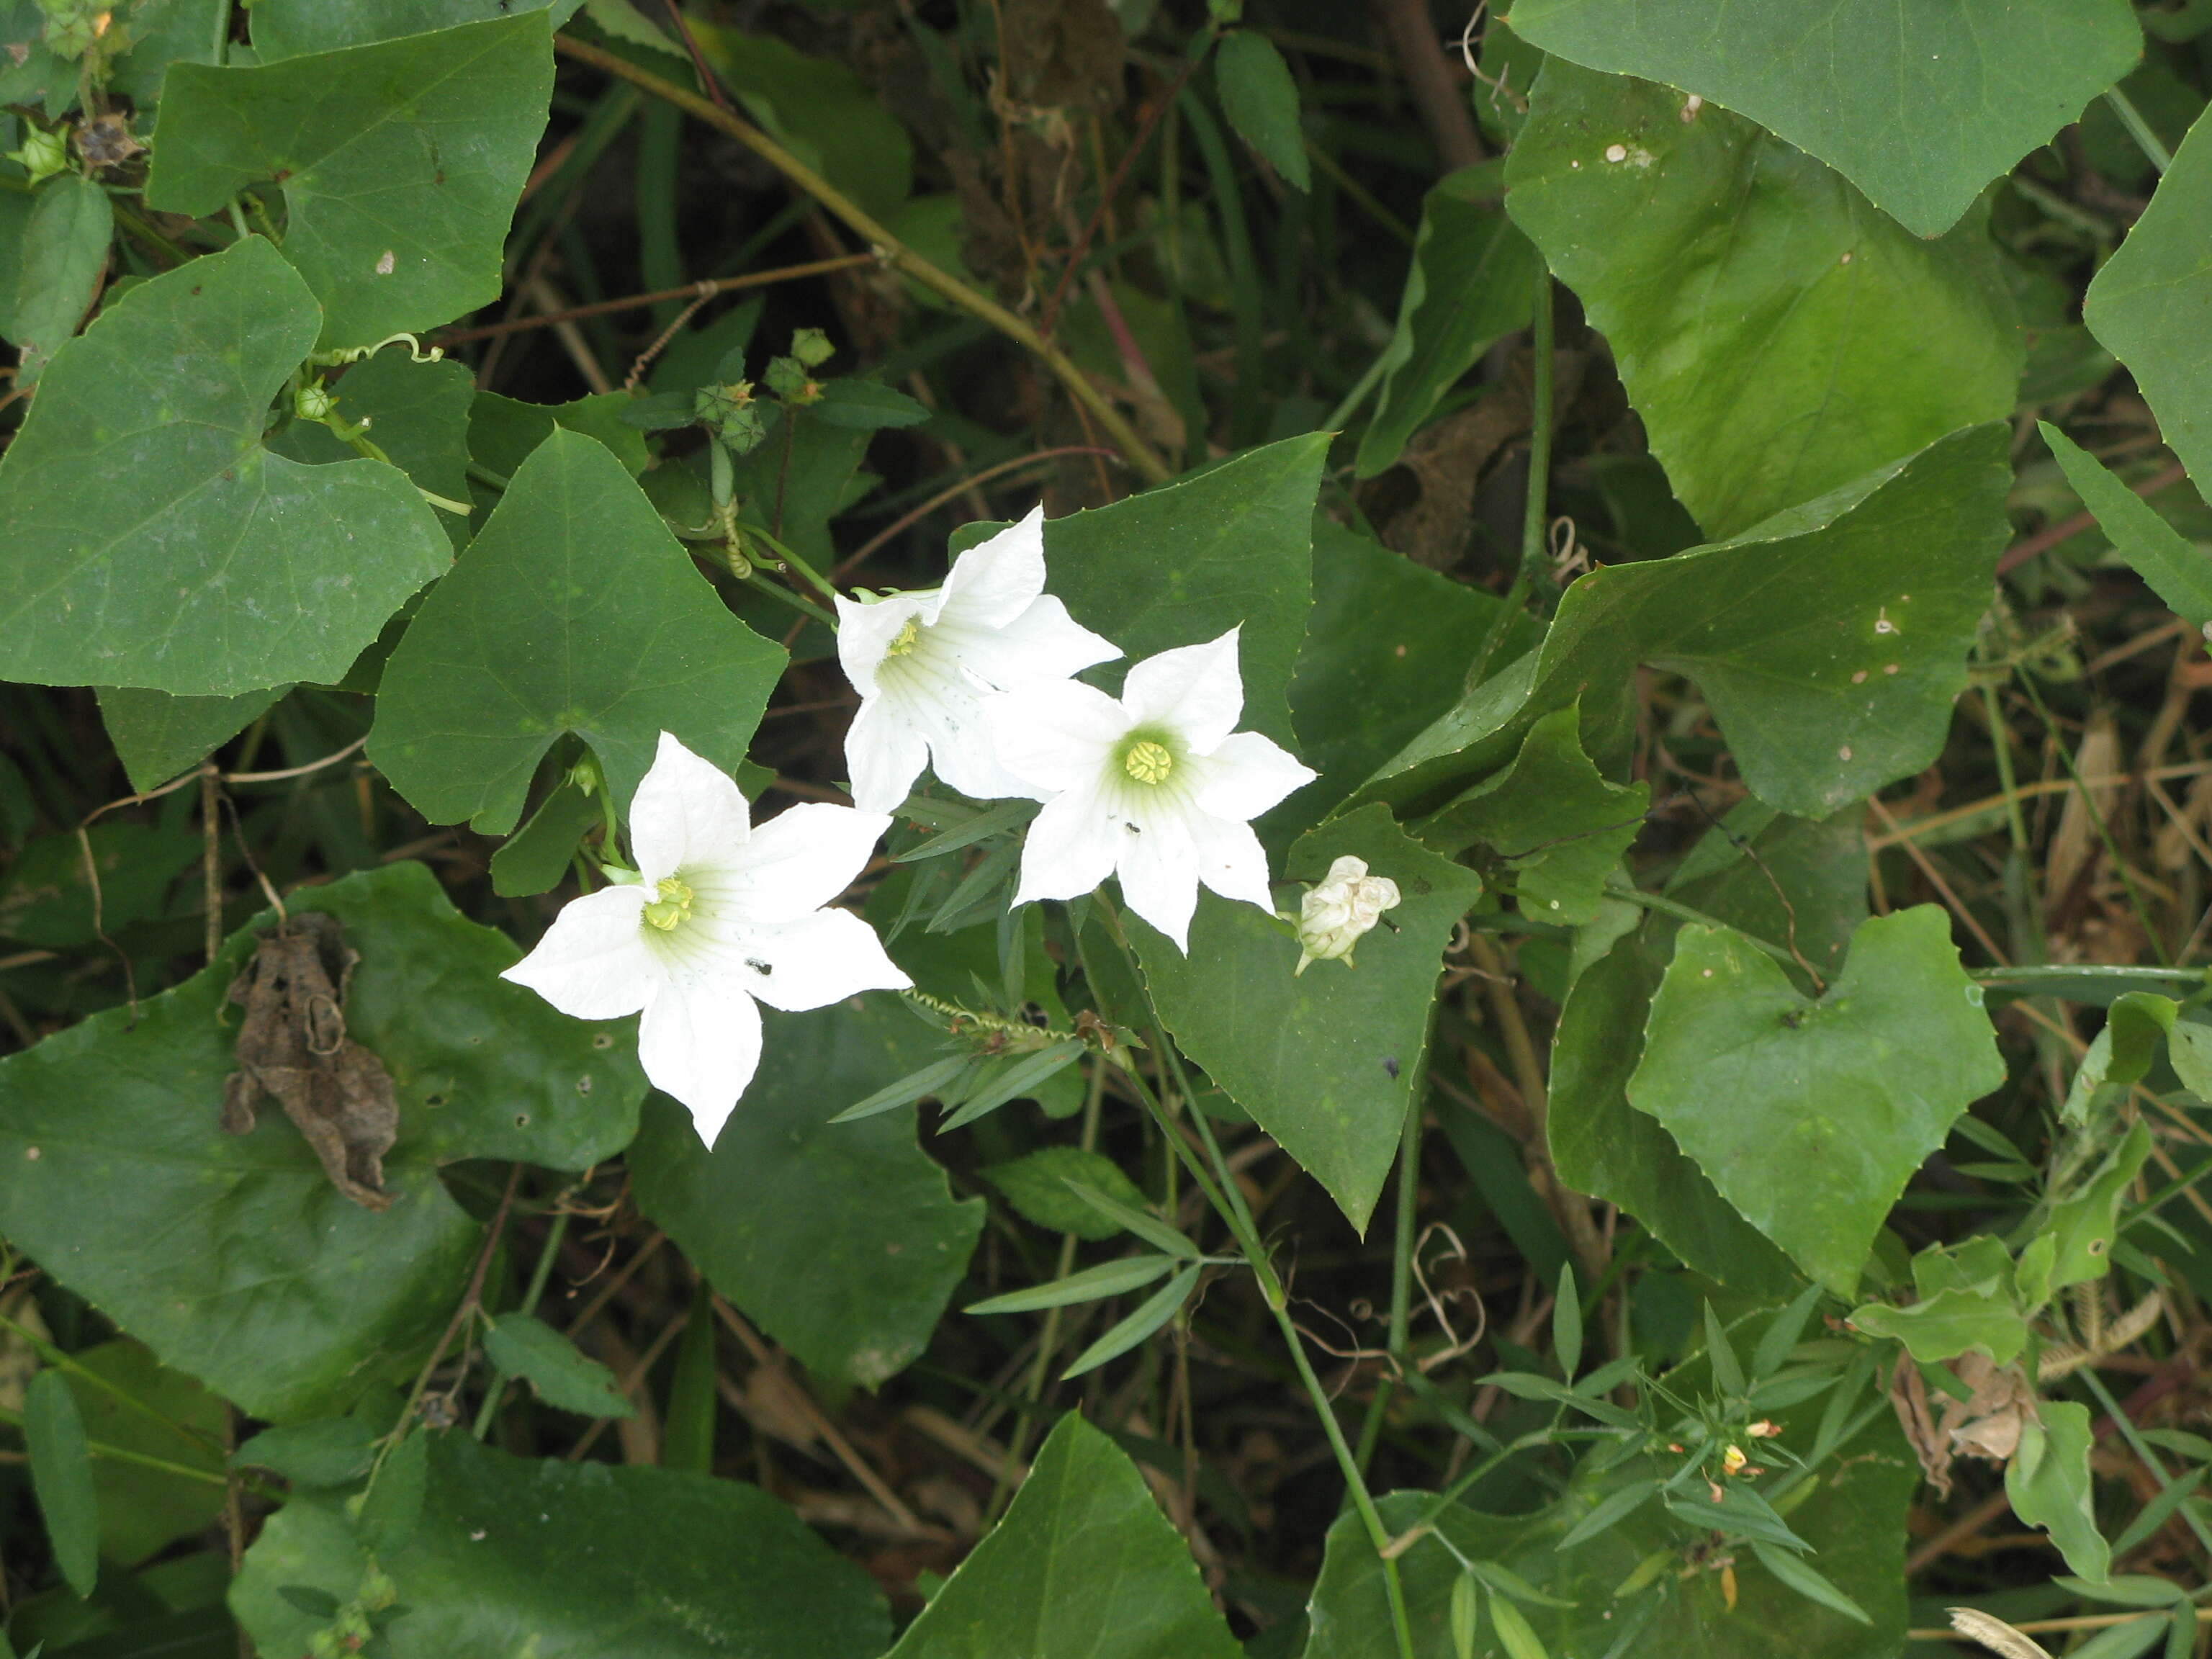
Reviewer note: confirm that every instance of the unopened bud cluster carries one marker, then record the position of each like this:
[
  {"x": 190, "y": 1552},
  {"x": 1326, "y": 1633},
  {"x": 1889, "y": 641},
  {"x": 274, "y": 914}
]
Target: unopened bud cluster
[{"x": 1342, "y": 910}]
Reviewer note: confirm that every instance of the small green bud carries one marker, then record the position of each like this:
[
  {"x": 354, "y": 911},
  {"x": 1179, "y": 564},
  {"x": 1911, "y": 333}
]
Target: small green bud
[
  {"x": 811, "y": 347},
  {"x": 788, "y": 379},
  {"x": 313, "y": 402},
  {"x": 43, "y": 154},
  {"x": 727, "y": 412}
]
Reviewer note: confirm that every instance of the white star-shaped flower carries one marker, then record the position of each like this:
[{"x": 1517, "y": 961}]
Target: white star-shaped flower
[
  {"x": 721, "y": 914},
  {"x": 1158, "y": 785},
  {"x": 923, "y": 663}
]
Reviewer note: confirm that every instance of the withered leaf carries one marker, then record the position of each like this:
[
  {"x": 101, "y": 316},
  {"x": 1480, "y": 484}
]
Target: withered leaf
[{"x": 293, "y": 1049}]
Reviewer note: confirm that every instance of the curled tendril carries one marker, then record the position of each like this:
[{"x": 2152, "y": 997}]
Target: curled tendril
[{"x": 416, "y": 349}]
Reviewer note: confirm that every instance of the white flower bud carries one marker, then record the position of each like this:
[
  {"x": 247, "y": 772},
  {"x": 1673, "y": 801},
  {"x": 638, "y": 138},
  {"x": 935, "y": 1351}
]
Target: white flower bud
[{"x": 1336, "y": 914}]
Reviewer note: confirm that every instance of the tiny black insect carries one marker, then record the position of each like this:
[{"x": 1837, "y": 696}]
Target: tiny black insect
[
  {"x": 1391, "y": 1065},
  {"x": 759, "y": 967}
]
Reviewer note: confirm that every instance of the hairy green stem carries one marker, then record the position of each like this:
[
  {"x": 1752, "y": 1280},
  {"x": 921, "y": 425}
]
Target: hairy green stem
[{"x": 2152, "y": 146}]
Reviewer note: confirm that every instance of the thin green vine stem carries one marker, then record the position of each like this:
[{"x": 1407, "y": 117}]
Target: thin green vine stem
[
  {"x": 2153, "y": 147},
  {"x": 495, "y": 1393},
  {"x": 1401, "y": 1280},
  {"x": 124, "y": 1455},
  {"x": 894, "y": 252},
  {"x": 1535, "y": 510},
  {"x": 1237, "y": 1215}
]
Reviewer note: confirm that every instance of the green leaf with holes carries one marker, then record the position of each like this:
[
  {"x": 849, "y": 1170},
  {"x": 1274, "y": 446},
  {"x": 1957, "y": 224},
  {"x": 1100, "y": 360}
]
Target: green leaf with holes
[
  {"x": 1757, "y": 1085},
  {"x": 400, "y": 164},
  {"x": 1084, "y": 1566},
  {"x": 575, "y": 610},
  {"x": 1327, "y": 1061},
  {"x": 1778, "y": 334},
  {"x": 1830, "y": 642},
  {"x": 268, "y": 1285},
  {"x": 2048, "y": 1481},
  {"x": 223, "y": 568},
  {"x": 1918, "y": 106},
  {"x": 842, "y": 1240}
]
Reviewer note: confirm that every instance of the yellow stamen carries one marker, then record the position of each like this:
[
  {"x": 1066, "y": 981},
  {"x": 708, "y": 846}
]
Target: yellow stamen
[
  {"x": 906, "y": 640},
  {"x": 1148, "y": 762},
  {"x": 672, "y": 905}
]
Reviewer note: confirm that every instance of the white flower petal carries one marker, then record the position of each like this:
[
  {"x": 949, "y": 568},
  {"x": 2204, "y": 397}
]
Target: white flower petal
[
  {"x": 820, "y": 959},
  {"x": 1042, "y": 643},
  {"x": 592, "y": 963},
  {"x": 1056, "y": 736},
  {"x": 1246, "y": 774},
  {"x": 701, "y": 1042},
  {"x": 995, "y": 580},
  {"x": 885, "y": 753},
  {"x": 686, "y": 811},
  {"x": 1231, "y": 862},
  {"x": 867, "y": 629},
  {"x": 795, "y": 863},
  {"x": 1160, "y": 870},
  {"x": 1195, "y": 690},
  {"x": 1071, "y": 846}
]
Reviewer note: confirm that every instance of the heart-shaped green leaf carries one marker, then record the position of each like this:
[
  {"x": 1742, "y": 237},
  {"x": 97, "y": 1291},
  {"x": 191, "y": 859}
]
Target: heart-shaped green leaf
[
  {"x": 233, "y": 1257},
  {"x": 222, "y": 569},
  {"x": 1778, "y": 334},
  {"x": 1760, "y": 1086},
  {"x": 401, "y": 163},
  {"x": 573, "y": 610}
]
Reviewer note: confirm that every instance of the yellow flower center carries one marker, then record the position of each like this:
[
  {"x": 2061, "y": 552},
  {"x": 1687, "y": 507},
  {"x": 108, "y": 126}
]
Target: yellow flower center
[
  {"x": 906, "y": 640},
  {"x": 1148, "y": 762},
  {"x": 672, "y": 905}
]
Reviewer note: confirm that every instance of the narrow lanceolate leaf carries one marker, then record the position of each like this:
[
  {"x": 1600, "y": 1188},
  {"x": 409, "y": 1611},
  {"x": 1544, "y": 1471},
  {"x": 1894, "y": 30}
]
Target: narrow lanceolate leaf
[
  {"x": 575, "y": 610},
  {"x": 1151, "y": 1229},
  {"x": 908, "y": 1089},
  {"x": 1016, "y": 1081},
  {"x": 2178, "y": 571},
  {"x": 522, "y": 1345},
  {"x": 1779, "y": 334},
  {"x": 1092, "y": 1285},
  {"x": 1919, "y": 105},
  {"x": 1802, "y": 1577},
  {"x": 400, "y": 163},
  {"x": 61, "y": 1474},
  {"x": 1082, "y": 1564},
  {"x": 1873, "y": 1074},
  {"x": 1261, "y": 101},
  {"x": 2147, "y": 304},
  {"x": 269, "y": 571},
  {"x": 1475, "y": 277},
  {"x": 1157, "y": 1308}
]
